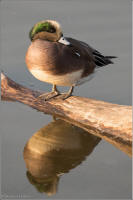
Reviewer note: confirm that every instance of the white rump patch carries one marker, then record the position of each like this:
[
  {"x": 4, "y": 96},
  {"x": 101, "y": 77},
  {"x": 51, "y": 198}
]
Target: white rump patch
[
  {"x": 88, "y": 78},
  {"x": 85, "y": 79}
]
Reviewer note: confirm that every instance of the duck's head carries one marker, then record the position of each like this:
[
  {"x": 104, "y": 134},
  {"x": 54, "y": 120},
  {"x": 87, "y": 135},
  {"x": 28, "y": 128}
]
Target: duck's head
[{"x": 49, "y": 30}]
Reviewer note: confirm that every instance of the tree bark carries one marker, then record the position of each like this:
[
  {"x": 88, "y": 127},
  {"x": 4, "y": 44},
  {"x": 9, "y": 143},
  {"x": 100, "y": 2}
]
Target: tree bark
[{"x": 108, "y": 121}]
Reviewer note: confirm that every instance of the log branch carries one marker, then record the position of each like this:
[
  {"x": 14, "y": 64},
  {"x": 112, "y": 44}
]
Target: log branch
[{"x": 108, "y": 121}]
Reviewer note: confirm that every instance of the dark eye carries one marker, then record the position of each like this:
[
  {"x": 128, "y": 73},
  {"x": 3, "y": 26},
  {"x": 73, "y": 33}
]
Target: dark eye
[{"x": 52, "y": 30}]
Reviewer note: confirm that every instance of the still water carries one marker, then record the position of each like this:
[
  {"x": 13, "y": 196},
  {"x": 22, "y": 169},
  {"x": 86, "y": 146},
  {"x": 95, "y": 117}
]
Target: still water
[{"x": 71, "y": 166}]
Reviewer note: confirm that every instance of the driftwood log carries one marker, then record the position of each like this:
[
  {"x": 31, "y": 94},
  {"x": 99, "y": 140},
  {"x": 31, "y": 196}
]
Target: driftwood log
[{"x": 108, "y": 121}]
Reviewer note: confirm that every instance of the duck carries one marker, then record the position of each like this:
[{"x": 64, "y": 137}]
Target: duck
[{"x": 59, "y": 60}]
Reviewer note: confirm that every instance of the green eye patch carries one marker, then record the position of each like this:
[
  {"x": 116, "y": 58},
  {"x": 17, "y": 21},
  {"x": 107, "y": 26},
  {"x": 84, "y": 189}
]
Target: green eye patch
[{"x": 41, "y": 26}]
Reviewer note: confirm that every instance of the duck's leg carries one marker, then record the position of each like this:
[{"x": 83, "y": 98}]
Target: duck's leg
[
  {"x": 50, "y": 95},
  {"x": 68, "y": 94}
]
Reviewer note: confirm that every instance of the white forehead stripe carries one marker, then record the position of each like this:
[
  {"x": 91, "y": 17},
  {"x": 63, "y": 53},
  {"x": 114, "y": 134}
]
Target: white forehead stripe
[{"x": 54, "y": 23}]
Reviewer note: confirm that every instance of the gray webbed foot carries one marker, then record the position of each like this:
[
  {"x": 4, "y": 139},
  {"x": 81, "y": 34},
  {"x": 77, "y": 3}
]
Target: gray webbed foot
[
  {"x": 68, "y": 94},
  {"x": 55, "y": 93},
  {"x": 50, "y": 95}
]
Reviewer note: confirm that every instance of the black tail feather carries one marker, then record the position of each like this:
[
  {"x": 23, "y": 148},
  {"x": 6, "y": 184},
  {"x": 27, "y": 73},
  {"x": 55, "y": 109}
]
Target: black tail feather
[
  {"x": 101, "y": 60},
  {"x": 108, "y": 59}
]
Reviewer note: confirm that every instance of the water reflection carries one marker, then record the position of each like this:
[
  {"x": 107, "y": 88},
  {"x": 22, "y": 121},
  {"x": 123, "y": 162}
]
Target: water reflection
[{"x": 54, "y": 150}]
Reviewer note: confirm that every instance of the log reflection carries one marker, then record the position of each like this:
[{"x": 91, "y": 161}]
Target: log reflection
[{"x": 54, "y": 150}]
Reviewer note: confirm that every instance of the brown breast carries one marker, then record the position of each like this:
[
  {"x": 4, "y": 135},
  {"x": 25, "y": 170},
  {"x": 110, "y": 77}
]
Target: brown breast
[{"x": 59, "y": 59}]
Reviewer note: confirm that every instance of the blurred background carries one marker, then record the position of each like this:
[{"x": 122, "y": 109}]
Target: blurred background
[{"x": 106, "y": 26}]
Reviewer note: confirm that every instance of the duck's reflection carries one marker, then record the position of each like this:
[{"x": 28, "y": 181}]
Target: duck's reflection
[{"x": 54, "y": 150}]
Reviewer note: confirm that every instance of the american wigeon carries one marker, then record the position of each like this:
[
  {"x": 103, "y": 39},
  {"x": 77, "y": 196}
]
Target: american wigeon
[{"x": 61, "y": 61}]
